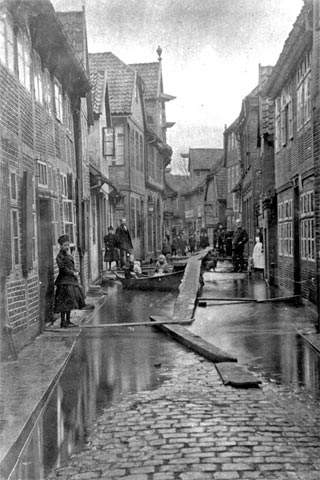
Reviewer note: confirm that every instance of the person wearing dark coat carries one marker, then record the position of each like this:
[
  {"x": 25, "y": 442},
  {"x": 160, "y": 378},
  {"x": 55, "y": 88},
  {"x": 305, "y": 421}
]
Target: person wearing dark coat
[
  {"x": 204, "y": 239},
  {"x": 124, "y": 242},
  {"x": 110, "y": 245},
  {"x": 68, "y": 294},
  {"x": 192, "y": 243},
  {"x": 239, "y": 239}
]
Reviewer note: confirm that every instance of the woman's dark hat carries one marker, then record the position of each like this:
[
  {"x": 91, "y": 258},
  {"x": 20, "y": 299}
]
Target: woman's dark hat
[
  {"x": 63, "y": 239},
  {"x": 110, "y": 228}
]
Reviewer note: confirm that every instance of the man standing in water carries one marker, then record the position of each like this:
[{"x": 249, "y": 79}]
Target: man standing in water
[
  {"x": 239, "y": 239},
  {"x": 123, "y": 240}
]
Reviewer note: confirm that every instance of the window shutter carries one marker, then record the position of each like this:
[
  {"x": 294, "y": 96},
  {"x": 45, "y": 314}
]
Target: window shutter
[
  {"x": 27, "y": 223},
  {"x": 5, "y": 228}
]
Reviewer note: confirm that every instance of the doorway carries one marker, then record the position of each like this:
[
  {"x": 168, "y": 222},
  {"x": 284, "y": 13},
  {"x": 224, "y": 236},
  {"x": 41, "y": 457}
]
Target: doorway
[{"x": 46, "y": 268}]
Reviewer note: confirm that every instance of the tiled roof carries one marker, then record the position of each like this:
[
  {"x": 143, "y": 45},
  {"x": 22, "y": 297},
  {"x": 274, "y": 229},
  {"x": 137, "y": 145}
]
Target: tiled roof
[
  {"x": 121, "y": 81},
  {"x": 178, "y": 183},
  {"x": 266, "y": 104},
  {"x": 97, "y": 80},
  {"x": 149, "y": 72},
  {"x": 204, "y": 158}
]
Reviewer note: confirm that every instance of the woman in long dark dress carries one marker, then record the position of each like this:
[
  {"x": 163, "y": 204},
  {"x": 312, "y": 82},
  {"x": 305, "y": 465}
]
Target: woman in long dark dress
[
  {"x": 111, "y": 251},
  {"x": 68, "y": 295}
]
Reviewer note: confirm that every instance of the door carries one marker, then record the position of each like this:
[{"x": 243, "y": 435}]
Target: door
[{"x": 46, "y": 268}]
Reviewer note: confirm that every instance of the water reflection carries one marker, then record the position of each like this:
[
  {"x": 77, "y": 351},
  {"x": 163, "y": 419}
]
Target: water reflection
[
  {"x": 262, "y": 336},
  {"x": 105, "y": 364}
]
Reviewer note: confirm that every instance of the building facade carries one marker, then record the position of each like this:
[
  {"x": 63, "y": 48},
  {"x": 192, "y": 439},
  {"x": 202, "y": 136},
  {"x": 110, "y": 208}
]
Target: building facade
[
  {"x": 200, "y": 163},
  {"x": 157, "y": 153},
  {"x": 232, "y": 165},
  {"x": 42, "y": 85},
  {"x": 289, "y": 86},
  {"x": 250, "y": 167}
]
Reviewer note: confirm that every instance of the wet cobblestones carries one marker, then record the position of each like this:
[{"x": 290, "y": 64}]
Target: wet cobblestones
[{"x": 193, "y": 427}]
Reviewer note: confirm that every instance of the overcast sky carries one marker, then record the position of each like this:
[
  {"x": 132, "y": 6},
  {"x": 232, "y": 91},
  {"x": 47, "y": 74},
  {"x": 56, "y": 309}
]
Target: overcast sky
[{"x": 211, "y": 52}]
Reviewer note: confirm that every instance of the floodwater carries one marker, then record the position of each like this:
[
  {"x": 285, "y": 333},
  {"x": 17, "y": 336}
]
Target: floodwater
[
  {"x": 106, "y": 364},
  {"x": 262, "y": 336},
  {"x": 110, "y": 362}
]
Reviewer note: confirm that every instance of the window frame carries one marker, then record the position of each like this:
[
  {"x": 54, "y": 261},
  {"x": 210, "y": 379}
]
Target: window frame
[
  {"x": 24, "y": 60},
  {"x": 58, "y": 99}
]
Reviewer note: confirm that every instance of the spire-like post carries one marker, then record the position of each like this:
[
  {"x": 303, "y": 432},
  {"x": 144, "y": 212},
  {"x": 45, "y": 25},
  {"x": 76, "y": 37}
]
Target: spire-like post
[{"x": 159, "y": 52}]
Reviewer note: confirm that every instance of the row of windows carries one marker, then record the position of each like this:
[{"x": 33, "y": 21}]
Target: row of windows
[
  {"x": 15, "y": 54},
  {"x": 307, "y": 243},
  {"x": 284, "y": 108}
]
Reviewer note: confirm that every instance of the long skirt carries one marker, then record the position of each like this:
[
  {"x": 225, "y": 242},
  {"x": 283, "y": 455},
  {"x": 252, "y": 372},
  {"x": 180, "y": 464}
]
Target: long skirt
[
  {"x": 111, "y": 255},
  {"x": 68, "y": 297}
]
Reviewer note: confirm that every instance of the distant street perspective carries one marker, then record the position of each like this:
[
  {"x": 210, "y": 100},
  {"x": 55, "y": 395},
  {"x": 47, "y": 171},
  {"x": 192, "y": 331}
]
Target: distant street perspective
[{"x": 159, "y": 291}]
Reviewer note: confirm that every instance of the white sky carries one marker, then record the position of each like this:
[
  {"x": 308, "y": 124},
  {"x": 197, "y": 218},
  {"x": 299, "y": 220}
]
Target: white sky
[{"x": 211, "y": 52}]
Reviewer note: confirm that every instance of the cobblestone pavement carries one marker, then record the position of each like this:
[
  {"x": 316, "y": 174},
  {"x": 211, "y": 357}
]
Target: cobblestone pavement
[{"x": 193, "y": 427}]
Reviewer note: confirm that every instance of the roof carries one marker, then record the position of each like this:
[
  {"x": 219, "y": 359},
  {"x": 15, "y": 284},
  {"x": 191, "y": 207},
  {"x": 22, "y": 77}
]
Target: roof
[
  {"x": 178, "y": 183},
  {"x": 97, "y": 80},
  {"x": 150, "y": 74},
  {"x": 298, "y": 39},
  {"x": 74, "y": 25},
  {"x": 121, "y": 82},
  {"x": 266, "y": 111},
  {"x": 204, "y": 158}
]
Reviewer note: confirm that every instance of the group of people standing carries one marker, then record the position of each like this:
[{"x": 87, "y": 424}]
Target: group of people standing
[
  {"x": 118, "y": 245},
  {"x": 118, "y": 248}
]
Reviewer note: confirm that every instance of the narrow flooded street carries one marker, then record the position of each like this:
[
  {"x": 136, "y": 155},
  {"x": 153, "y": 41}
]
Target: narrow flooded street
[
  {"x": 108, "y": 363},
  {"x": 263, "y": 336}
]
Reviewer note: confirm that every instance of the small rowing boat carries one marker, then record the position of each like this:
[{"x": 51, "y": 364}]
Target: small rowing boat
[{"x": 166, "y": 282}]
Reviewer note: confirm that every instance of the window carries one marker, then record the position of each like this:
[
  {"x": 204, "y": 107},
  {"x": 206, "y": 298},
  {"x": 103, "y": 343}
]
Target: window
[
  {"x": 277, "y": 125},
  {"x": 119, "y": 136},
  {"x": 68, "y": 219},
  {"x": 58, "y": 100},
  {"x": 7, "y": 43},
  {"x": 63, "y": 185},
  {"x": 136, "y": 146},
  {"x": 13, "y": 185},
  {"x": 285, "y": 229},
  {"x": 108, "y": 142},
  {"x": 47, "y": 87},
  {"x": 304, "y": 92},
  {"x": 132, "y": 149},
  {"x": 24, "y": 60},
  {"x": 37, "y": 78},
  {"x": 307, "y": 226},
  {"x": 141, "y": 153},
  {"x": 15, "y": 237},
  {"x": 68, "y": 114},
  {"x": 42, "y": 174}
]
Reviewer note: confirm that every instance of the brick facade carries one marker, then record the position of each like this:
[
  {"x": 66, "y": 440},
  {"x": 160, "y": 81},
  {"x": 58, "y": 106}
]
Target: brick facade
[{"x": 38, "y": 159}]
